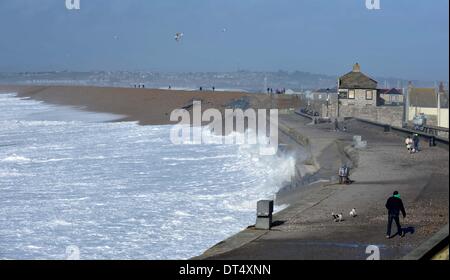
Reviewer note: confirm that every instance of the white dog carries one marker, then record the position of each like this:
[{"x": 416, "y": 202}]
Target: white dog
[
  {"x": 353, "y": 213},
  {"x": 337, "y": 217}
]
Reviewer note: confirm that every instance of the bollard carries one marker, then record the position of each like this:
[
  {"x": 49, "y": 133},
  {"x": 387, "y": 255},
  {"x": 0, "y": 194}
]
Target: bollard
[
  {"x": 357, "y": 139},
  {"x": 358, "y": 143},
  {"x": 264, "y": 210},
  {"x": 387, "y": 128}
]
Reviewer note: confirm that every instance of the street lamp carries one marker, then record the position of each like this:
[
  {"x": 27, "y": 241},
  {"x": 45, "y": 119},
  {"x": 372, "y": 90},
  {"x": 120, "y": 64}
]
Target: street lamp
[{"x": 328, "y": 100}]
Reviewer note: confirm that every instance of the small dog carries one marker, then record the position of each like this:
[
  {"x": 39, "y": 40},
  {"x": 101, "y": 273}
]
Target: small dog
[{"x": 337, "y": 217}]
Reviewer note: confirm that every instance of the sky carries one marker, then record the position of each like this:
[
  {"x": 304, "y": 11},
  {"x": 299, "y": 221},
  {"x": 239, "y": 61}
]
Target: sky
[{"x": 403, "y": 39}]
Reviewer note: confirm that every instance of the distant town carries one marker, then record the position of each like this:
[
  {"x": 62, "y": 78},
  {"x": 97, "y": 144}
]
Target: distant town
[{"x": 241, "y": 80}]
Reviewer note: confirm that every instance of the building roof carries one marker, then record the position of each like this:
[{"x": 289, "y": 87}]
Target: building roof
[
  {"x": 326, "y": 90},
  {"x": 393, "y": 91},
  {"x": 357, "y": 80},
  {"x": 427, "y": 98}
]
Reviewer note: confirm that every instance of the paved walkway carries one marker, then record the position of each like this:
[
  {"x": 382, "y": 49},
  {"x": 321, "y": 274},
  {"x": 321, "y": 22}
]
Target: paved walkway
[{"x": 306, "y": 230}]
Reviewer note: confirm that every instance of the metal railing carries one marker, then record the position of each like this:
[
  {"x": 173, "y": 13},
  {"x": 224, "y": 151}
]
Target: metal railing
[{"x": 431, "y": 138}]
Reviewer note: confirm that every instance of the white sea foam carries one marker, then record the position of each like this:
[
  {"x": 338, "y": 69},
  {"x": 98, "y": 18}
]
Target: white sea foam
[
  {"x": 120, "y": 190},
  {"x": 198, "y": 158},
  {"x": 182, "y": 214},
  {"x": 16, "y": 158},
  {"x": 60, "y": 223}
]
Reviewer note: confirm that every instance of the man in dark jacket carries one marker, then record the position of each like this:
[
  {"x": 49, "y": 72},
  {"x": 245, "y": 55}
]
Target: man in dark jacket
[{"x": 395, "y": 205}]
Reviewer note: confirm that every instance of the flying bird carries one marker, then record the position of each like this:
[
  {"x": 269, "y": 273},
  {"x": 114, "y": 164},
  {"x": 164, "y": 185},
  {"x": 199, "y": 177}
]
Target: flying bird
[{"x": 178, "y": 36}]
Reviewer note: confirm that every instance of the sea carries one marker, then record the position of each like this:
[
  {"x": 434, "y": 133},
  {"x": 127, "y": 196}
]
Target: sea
[{"x": 82, "y": 185}]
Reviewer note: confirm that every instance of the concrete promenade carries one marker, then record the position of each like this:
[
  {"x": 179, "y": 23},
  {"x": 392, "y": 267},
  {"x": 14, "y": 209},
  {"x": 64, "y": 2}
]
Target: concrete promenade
[{"x": 306, "y": 230}]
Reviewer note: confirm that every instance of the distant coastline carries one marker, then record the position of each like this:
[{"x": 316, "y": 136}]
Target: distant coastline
[{"x": 249, "y": 81}]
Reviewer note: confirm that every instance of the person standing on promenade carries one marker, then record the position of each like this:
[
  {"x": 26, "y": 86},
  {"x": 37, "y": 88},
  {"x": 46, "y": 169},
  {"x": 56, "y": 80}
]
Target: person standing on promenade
[
  {"x": 411, "y": 146},
  {"x": 408, "y": 143},
  {"x": 395, "y": 205},
  {"x": 341, "y": 174},
  {"x": 344, "y": 174},
  {"x": 416, "y": 142},
  {"x": 336, "y": 124}
]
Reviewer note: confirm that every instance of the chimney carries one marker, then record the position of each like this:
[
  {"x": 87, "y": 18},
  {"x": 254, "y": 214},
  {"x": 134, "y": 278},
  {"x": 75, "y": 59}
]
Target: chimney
[{"x": 356, "y": 67}]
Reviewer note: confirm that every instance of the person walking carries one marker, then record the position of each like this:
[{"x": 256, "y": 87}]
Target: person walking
[
  {"x": 411, "y": 146},
  {"x": 341, "y": 174},
  {"x": 394, "y": 205},
  {"x": 408, "y": 143},
  {"x": 347, "y": 175}
]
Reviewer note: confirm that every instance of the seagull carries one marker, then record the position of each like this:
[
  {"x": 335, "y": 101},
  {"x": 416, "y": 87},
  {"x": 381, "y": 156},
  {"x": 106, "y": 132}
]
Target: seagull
[
  {"x": 353, "y": 213},
  {"x": 178, "y": 36}
]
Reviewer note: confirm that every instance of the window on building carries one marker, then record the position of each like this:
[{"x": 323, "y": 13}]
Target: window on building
[
  {"x": 369, "y": 95},
  {"x": 342, "y": 95},
  {"x": 351, "y": 94}
]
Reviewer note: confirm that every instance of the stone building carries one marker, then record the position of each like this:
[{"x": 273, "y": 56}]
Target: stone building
[
  {"x": 358, "y": 97},
  {"x": 357, "y": 89}
]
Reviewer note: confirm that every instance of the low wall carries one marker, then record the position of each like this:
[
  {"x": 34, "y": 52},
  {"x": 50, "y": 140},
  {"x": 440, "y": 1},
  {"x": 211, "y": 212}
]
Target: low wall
[{"x": 392, "y": 115}]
